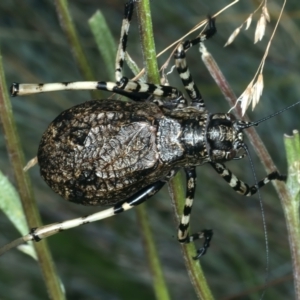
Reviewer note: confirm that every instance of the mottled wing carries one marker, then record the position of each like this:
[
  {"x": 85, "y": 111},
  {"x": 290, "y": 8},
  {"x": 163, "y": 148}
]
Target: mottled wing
[{"x": 98, "y": 152}]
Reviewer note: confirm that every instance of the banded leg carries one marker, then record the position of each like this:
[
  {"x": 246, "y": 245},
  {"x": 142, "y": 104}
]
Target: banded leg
[
  {"x": 182, "y": 67},
  {"x": 183, "y": 235},
  {"x": 242, "y": 187},
  {"x": 36, "y": 234},
  {"x": 140, "y": 91},
  {"x": 120, "y": 57},
  {"x": 134, "y": 90},
  {"x": 123, "y": 83}
]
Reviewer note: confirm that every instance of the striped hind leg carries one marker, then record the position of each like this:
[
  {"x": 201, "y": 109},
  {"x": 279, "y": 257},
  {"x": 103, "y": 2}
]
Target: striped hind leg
[
  {"x": 36, "y": 234},
  {"x": 134, "y": 90},
  {"x": 241, "y": 187},
  {"x": 183, "y": 235},
  {"x": 182, "y": 67}
]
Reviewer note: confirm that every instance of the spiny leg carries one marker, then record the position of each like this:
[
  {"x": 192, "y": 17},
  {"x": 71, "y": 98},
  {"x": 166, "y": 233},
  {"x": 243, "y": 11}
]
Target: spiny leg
[
  {"x": 183, "y": 235},
  {"x": 240, "y": 186},
  {"x": 182, "y": 67},
  {"x": 36, "y": 234}
]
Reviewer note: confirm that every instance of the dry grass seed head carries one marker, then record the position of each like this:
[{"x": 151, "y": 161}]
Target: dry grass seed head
[
  {"x": 252, "y": 94},
  {"x": 266, "y": 13},
  {"x": 245, "y": 98},
  {"x": 257, "y": 90},
  {"x": 260, "y": 28},
  {"x": 233, "y": 36},
  {"x": 248, "y": 21}
]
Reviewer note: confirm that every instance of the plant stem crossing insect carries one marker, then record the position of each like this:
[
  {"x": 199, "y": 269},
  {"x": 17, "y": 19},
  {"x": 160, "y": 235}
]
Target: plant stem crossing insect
[{"x": 109, "y": 152}]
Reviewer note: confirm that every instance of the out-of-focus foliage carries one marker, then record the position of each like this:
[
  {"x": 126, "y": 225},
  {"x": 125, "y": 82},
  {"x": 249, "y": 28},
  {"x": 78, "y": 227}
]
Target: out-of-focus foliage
[{"x": 106, "y": 260}]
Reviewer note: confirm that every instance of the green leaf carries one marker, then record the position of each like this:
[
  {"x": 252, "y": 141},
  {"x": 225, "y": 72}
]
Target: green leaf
[
  {"x": 104, "y": 41},
  {"x": 10, "y": 203}
]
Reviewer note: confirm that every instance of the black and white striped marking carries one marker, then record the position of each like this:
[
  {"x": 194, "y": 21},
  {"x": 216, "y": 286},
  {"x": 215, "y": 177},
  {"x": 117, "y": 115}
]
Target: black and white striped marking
[{"x": 140, "y": 92}]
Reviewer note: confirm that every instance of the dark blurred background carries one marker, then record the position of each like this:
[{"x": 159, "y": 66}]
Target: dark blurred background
[{"x": 105, "y": 260}]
